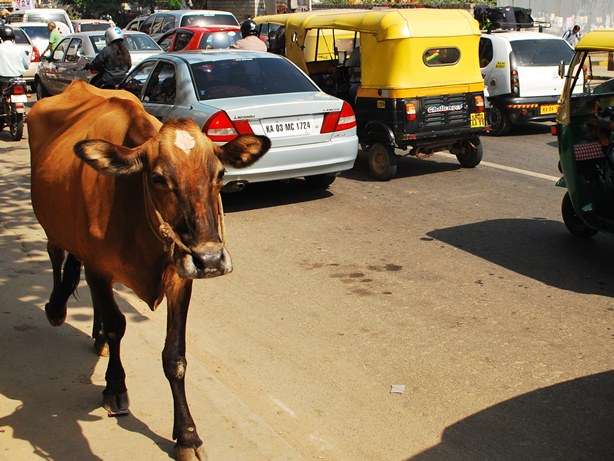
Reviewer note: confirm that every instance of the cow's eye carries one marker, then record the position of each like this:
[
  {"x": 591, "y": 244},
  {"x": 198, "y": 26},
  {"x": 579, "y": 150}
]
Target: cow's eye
[
  {"x": 159, "y": 180},
  {"x": 220, "y": 175}
]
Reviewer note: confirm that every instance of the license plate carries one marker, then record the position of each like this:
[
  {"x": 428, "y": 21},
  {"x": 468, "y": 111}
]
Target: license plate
[
  {"x": 289, "y": 126},
  {"x": 548, "y": 109},
  {"x": 478, "y": 120},
  {"x": 19, "y": 98}
]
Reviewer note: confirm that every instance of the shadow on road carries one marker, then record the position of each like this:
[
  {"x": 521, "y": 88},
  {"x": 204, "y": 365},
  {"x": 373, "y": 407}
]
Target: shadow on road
[
  {"x": 570, "y": 420},
  {"x": 540, "y": 249},
  {"x": 408, "y": 167},
  {"x": 272, "y": 194},
  {"x": 527, "y": 129},
  {"x": 46, "y": 371}
]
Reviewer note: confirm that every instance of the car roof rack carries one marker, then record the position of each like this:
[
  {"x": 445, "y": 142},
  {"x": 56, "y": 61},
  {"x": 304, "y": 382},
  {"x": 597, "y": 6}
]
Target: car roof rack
[{"x": 519, "y": 26}]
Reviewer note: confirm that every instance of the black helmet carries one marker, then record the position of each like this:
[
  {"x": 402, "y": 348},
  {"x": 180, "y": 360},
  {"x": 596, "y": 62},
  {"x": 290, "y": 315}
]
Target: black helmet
[
  {"x": 7, "y": 33},
  {"x": 249, "y": 28}
]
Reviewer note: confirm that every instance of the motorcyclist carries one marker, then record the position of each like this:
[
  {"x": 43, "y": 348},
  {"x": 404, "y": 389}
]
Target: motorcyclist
[
  {"x": 250, "y": 40},
  {"x": 14, "y": 61},
  {"x": 113, "y": 62}
]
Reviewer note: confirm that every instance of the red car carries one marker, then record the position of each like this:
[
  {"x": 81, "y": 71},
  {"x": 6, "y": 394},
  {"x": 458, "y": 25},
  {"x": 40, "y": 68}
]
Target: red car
[{"x": 200, "y": 38}]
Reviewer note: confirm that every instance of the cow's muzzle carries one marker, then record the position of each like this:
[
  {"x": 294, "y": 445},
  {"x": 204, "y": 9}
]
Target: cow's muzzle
[{"x": 209, "y": 260}]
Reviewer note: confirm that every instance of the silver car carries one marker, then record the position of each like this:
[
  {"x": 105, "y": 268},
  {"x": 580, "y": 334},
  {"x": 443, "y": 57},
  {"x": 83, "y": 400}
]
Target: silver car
[
  {"x": 67, "y": 63},
  {"x": 23, "y": 41},
  {"x": 232, "y": 92}
]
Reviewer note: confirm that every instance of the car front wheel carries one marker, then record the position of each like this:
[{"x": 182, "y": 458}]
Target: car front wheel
[{"x": 41, "y": 91}]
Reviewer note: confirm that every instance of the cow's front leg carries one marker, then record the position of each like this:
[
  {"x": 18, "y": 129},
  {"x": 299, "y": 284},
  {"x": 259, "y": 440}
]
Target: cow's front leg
[
  {"x": 189, "y": 446},
  {"x": 115, "y": 394}
]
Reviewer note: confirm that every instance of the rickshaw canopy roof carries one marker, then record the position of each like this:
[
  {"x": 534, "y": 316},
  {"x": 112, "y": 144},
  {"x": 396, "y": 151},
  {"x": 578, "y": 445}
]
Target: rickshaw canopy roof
[
  {"x": 385, "y": 24},
  {"x": 597, "y": 40}
]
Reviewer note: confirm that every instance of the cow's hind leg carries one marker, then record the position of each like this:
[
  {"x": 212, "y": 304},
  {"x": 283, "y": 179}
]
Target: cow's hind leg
[
  {"x": 189, "y": 445},
  {"x": 115, "y": 394},
  {"x": 65, "y": 282}
]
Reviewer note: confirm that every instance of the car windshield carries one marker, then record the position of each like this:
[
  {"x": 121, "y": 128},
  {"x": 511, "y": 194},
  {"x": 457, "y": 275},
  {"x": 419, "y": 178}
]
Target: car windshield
[
  {"x": 46, "y": 17},
  {"x": 20, "y": 37},
  {"x": 218, "y": 40},
  {"x": 36, "y": 32},
  {"x": 201, "y": 20},
  {"x": 91, "y": 27},
  {"x": 133, "y": 43},
  {"x": 535, "y": 53},
  {"x": 236, "y": 77}
]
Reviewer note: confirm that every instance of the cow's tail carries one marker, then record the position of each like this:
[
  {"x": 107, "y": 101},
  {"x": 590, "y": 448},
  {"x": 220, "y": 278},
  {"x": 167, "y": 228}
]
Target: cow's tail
[{"x": 56, "y": 307}]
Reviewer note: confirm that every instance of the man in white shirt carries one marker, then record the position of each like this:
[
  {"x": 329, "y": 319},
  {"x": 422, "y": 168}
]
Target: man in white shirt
[{"x": 14, "y": 61}]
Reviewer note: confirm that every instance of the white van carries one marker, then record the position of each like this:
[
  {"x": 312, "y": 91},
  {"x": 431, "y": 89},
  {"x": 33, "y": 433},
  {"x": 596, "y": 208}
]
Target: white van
[
  {"x": 521, "y": 77},
  {"x": 59, "y": 16}
]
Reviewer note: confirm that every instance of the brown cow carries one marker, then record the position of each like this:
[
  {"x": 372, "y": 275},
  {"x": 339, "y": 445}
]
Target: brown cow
[{"x": 139, "y": 204}]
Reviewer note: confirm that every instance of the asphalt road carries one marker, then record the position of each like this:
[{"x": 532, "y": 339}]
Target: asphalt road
[{"x": 461, "y": 285}]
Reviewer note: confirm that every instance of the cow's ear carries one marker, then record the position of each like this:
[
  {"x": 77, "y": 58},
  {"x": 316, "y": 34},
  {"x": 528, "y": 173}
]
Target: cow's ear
[
  {"x": 108, "y": 158},
  {"x": 244, "y": 150}
]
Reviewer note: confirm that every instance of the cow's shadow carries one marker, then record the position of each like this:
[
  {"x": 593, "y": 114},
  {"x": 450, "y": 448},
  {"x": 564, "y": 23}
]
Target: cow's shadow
[
  {"x": 45, "y": 372},
  {"x": 570, "y": 420},
  {"x": 541, "y": 249}
]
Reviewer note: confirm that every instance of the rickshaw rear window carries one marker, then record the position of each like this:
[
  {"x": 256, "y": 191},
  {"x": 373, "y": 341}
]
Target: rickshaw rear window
[{"x": 434, "y": 57}]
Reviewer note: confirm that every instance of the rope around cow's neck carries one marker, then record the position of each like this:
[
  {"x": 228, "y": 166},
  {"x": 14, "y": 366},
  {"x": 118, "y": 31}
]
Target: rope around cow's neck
[{"x": 164, "y": 231}]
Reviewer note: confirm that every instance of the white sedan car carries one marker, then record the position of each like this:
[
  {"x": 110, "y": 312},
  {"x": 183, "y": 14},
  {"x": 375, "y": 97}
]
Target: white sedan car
[{"x": 232, "y": 92}]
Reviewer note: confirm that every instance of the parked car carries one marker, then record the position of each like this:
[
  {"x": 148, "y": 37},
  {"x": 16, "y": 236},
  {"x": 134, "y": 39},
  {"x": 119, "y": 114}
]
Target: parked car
[
  {"x": 23, "y": 41},
  {"x": 136, "y": 23},
  {"x": 59, "y": 16},
  {"x": 235, "y": 92},
  {"x": 200, "y": 38},
  {"x": 159, "y": 23},
  {"x": 91, "y": 25},
  {"x": 521, "y": 77},
  {"x": 67, "y": 63}
]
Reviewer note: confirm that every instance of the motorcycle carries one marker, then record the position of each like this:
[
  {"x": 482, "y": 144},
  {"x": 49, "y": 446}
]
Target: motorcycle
[{"x": 14, "y": 99}]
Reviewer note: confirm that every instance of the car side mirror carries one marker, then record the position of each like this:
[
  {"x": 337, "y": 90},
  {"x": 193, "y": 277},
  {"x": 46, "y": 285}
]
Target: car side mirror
[{"x": 562, "y": 69}]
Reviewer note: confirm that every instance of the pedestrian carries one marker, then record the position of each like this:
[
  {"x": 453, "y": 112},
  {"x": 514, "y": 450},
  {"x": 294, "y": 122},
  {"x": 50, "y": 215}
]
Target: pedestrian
[
  {"x": 113, "y": 62},
  {"x": 55, "y": 37},
  {"x": 250, "y": 40},
  {"x": 572, "y": 35}
]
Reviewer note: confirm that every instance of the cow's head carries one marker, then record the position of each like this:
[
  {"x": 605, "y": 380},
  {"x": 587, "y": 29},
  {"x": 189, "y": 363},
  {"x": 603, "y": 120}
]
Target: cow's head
[{"x": 183, "y": 172}]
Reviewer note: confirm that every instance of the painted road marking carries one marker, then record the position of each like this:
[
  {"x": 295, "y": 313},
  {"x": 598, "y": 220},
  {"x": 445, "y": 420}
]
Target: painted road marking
[{"x": 510, "y": 169}]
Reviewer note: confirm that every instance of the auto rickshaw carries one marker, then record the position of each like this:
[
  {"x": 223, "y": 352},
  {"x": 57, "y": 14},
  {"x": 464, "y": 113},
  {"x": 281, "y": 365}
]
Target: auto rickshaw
[
  {"x": 585, "y": 124},
  {"x": 412, "y": 76}
]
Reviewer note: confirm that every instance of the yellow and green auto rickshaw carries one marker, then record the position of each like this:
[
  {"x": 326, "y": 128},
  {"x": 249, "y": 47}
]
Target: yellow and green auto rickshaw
[
  {"x": 412, "y": 76},
  {"x": 585, "y": 125}
]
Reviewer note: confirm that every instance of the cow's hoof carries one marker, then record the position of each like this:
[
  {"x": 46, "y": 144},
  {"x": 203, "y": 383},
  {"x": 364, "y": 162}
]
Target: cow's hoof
[
  {"x": 116, "y": 404},
  {"x": 190, "y": 453},
  {"x": 55, "y": 315},
  {"x": 101, "y": 347}
]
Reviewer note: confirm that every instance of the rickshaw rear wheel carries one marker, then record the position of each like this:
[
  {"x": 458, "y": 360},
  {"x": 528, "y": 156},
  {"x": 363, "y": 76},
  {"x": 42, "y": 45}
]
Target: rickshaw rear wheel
[
  {"x": 470, "y": 153},
  {"x": 573, "y": 222},
  {"x": 499, "y": 122},
  {"x": 382, "y": 161}
]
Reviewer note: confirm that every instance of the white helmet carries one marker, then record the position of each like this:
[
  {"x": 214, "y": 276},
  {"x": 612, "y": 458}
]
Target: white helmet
[{"x": 112, "y": 34}]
